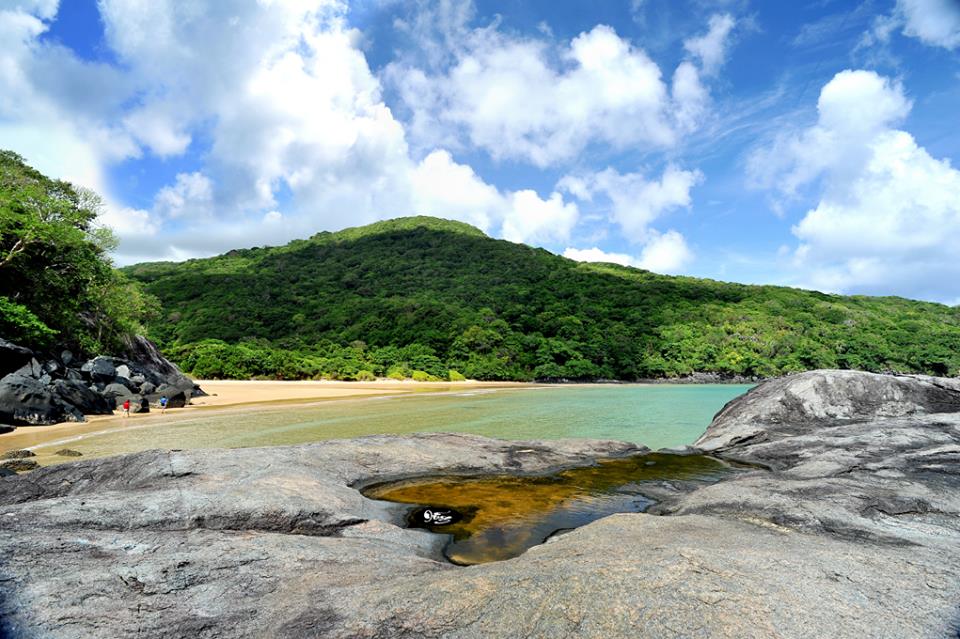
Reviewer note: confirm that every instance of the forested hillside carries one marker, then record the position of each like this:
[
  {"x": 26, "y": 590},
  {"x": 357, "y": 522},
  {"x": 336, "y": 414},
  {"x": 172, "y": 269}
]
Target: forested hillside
[{"x": 422, "y": 296}]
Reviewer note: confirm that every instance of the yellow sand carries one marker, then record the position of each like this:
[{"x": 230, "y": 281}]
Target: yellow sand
[{"x": 234, "y": 393}]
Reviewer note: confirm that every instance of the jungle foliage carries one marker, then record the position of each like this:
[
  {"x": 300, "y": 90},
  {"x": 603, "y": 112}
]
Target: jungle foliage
[
  {"x": 428, "y": 297},
  {"x": 57, "y": 283}
]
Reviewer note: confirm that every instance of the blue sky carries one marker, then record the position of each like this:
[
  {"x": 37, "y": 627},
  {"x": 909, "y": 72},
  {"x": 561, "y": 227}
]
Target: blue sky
[{"x": 810, "y": 143}]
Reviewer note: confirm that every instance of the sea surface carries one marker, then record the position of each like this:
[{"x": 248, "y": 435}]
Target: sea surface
[{"x": 654, "y": 415}]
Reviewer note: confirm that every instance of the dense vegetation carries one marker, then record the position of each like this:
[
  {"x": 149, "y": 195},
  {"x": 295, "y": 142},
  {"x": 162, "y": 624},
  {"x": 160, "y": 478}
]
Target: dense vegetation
[
  {"x": 57, "y": 284},
  {"x": 431, "y": 298}
]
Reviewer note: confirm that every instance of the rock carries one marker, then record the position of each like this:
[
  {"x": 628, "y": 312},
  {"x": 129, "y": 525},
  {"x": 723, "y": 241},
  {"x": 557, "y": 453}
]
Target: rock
[
  {"x": 24, "y": 400},
  {"x": 123, "y": 371},
  {"x": 74, "y": 375},
  {"x": 793, "y": 404},
  {"x": 6, "y": 428},
  {"x": 119, "y": 393},
  {"x": 67, "y": 452},
  {"x": 13, "y": 357},
  {"x": 31, "y": 369},
  {"x": 6, "y": 472},
  {"x": 176, "y": 398},
  {"x": 66, "y": 357},
  {"x": 102, "y": 369},
  {"x": 81, "y": 397},
  {"x": 51, "y": 367},
  {"x": 140, "y": 405},
  {"x": 138, "y": 380},
  {"x": 855, "y": 532},
  {"x": 45, "y": 379},
  {"x": 18, "y": 454},
  {"x": 147, "y": 388},
  {"x": 19, "y": 465}
]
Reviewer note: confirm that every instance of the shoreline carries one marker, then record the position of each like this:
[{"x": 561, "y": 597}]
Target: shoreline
[{"x": 224, "y": 396}]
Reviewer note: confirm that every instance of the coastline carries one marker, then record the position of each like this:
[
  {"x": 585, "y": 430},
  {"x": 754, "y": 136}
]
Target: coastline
[{"x": 226, "y": 395}]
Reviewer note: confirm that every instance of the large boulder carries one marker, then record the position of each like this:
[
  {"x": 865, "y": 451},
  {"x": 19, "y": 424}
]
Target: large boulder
[
  {"x": 801, "y": 402},
  {"x": 856, "y": 534},
  {"x": 101, "y": 369},
  {"x": 13, "y": 357},
  {"x": 176, "y": 398},
  {"x": 81, "y": 397},
  {"x": 24, "y": 400}
]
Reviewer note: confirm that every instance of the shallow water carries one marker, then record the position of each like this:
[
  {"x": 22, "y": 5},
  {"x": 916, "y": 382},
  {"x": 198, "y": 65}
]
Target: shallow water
[
  {"x": 504, "y": 515},
  {"x": 654, "y": 415}
]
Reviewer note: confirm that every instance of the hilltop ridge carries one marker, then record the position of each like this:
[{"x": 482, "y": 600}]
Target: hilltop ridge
[{"x": 430, "y": 295}]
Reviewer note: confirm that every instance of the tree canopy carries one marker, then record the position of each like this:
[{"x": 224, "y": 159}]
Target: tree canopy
[
  {"x": 57, "y": 283},
  {"x": 422, "y": 294}
]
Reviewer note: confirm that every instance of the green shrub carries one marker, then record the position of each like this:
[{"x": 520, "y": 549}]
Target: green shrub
[
  {"x": 365, "y": 376},
  {"x": 455, "y": 376}
]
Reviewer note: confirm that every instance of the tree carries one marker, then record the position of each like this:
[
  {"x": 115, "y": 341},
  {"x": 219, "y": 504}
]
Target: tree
[{"x": 54, "y": 265}]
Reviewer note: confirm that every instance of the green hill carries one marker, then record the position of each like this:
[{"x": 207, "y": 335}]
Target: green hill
[{"x": 422, "y": 294}]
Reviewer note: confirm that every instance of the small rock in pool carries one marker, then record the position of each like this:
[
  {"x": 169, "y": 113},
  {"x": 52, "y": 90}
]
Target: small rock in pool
[
  {"x": 650, "y": 463},
  {"x": 17, "y": 454},
  {"x": 19, "y": 465},
  {"x": 68, "y": 452}
]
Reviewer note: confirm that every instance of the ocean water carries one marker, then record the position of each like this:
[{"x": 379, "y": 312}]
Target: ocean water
[{"x": 655, "y": 415}]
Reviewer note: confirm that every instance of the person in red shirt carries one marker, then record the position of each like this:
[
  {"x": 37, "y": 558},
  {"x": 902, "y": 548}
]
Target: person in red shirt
[{"x": 126, "y": 408}]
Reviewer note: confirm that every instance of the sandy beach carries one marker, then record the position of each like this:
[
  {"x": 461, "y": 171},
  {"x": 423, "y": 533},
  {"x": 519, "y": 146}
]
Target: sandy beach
[{"x": 226, "y": 395}]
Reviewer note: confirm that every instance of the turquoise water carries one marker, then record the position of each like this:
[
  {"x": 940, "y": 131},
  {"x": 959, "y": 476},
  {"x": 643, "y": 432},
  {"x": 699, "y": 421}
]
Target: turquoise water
[{"x": 655, "y": 415}]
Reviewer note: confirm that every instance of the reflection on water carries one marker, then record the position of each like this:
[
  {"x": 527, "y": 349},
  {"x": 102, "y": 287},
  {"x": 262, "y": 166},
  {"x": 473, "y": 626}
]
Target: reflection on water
[
  {"x": 503, "y": 516},
  {"x": 654, "y": 415}
]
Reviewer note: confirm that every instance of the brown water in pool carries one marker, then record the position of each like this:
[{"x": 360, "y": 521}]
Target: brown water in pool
[{"x": 501, "y": 516}]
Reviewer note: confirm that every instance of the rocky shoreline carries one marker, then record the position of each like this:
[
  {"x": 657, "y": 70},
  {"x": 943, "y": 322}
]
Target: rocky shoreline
[
  {"x": 848, "y": 525},
  {"x": 40, "y": 389}
]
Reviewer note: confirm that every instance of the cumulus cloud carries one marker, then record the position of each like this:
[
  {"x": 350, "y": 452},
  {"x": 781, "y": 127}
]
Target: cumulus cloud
[
  {"x": 598, "y": 255},
  {"x": 711, "y": 48},
  {"x": 935, "y": 22},
  {"x": 888, "y": 213},
  {"x": 285, "y": 99},
  {"x": 636, "y": 201},
  {"x": 536, "y": 101},
  {"x": 663, "y": 253}
]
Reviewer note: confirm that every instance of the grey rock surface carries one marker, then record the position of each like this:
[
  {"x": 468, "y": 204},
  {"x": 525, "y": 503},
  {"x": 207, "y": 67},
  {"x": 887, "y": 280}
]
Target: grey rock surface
[{"x": 849, "y": 530}]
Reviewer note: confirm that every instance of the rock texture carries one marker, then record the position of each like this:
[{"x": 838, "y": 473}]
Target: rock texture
[
  {"x": 851, "y": 528},
  {"x": 37, "y": 389}
]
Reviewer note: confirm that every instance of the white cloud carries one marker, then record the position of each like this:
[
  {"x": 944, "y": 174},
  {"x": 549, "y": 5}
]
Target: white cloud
[
  {"x": 190, "y": 196},
  {"x": 531, "y": 219},
  {"x": 888, "y": 215},
  {"x": 635, "y": 201},
  {"x": 711, "y": 48},
  {"x": 531, "y": 100},
  {"x": 597, "y": 255},
  {"x": 663, "y": 253},
  {"x": 935, "y": 22},
  {"x": 666, "y": 253}
]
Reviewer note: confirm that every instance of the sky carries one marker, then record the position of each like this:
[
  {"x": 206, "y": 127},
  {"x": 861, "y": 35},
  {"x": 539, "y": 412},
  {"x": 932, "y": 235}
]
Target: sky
[{"x": 811, "y": 143}]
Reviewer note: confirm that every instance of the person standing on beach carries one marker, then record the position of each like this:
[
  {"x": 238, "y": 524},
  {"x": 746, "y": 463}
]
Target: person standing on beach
[
  {"x": 163, "y": 404},
  {"x": 126, "y": 408}
]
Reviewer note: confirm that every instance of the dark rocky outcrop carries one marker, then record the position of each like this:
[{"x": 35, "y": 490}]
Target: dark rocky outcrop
[
  {"x": 847, "y": 525},
  {"x": 12, "y": 357},
  {"x": 40, "y": 389}
]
